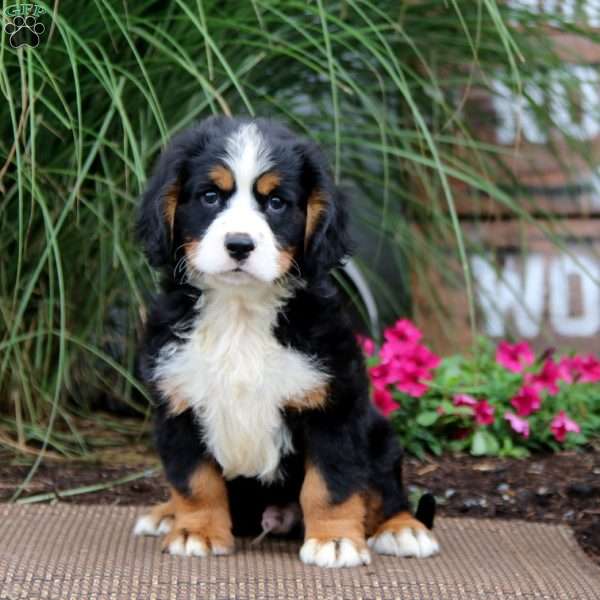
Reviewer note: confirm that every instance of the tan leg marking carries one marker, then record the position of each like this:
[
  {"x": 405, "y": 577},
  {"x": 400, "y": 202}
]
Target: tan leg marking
[
  {"x": 202, "y": 523},
  {"x": 267, "y": 182},
  {"x": 403, "y": 535},
  {"x": 373, "y": 512},
  {"x": 335, "y": 535}
]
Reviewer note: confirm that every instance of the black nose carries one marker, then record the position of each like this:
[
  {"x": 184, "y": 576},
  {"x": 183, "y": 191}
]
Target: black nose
[{"x": 239, "y": 245}]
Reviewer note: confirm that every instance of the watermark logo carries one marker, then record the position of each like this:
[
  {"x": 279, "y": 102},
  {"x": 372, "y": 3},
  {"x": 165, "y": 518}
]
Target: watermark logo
[{"x": 24, "y": 29}]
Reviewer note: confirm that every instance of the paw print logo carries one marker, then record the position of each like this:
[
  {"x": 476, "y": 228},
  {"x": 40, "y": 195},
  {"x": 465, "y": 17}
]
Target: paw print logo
[{"x": 24, "y": 31}]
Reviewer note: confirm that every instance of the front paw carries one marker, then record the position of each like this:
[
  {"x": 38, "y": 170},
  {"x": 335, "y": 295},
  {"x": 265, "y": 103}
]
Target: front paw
[
  {"x": 158, "y": 521},
  {"x": 148, "y": 525},
  {"x": 181, "y": 542},
  {"x": 341, "y": 552},
  {"x": 404, "y": 536}
]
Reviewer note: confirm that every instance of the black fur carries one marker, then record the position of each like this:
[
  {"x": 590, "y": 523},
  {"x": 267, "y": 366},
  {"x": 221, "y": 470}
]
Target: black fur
[{"x": 351, "y": 444}]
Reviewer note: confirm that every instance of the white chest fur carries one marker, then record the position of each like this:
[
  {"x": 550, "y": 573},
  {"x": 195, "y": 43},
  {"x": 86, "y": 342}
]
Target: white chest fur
[{"x": 237, "y": 377}]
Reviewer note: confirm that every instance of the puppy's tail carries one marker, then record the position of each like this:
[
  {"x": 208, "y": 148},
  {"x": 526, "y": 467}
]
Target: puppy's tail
[{"x": 426, "y": 510}]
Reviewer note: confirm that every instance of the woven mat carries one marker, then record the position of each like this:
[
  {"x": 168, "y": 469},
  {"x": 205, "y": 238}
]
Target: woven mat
[{"x": 69, "y": 551}]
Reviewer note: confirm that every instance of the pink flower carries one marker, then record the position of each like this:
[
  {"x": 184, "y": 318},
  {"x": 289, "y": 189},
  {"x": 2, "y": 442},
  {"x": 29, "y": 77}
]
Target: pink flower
[
  {"x": 403, "y": 332},
  {"x": 384, "y": 401},
  {"x": 561, "y": 425},
  {"x": 526, "y": 401},
  {"x": 519, "y": 425},
  {"x": 410, "y": 380},
  {"x": 424, "y": 358},
  {"x": 567, "y": 369},
  {"x": 547, "y": 378},
  {"x": 380, "y": 375},
  {"x": 405, "y": 362},
  {"x": 484, "y": 413},
  {"x": 584, "y": 369},
  {"x": 514, "y": 357},
  {"x": 463, "y": 400},
  {"x": 367, "y": 344},
  {"x": 392, "y": 350},
  {"x": 589, "y": 367}
]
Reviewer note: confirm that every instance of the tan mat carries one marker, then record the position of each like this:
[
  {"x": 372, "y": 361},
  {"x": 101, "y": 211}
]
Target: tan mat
[{"x": 68, "y": 551}]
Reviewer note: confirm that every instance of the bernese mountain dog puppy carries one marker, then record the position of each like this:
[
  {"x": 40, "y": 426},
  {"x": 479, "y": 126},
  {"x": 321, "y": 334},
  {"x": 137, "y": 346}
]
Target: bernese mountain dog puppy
[{"x": 263, "y": 415}]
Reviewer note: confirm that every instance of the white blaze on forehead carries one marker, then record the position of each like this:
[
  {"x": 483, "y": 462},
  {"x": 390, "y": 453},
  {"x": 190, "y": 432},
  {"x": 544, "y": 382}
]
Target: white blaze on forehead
[{"x": 247, "y": 155}]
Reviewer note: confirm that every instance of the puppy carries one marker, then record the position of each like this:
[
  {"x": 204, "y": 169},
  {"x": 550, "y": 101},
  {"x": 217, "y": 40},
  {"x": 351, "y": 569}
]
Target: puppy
[{"x": 262, "y": 398}]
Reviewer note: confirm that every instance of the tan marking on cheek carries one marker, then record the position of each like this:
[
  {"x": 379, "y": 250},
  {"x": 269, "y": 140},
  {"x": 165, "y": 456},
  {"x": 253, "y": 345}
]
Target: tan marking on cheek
[
  {"x": 399, "y": 522},
  {"x": 222, "y": 177},
  {"x": 315, "y": 206},
  {"x": 266, "y": 183},
  {"x": 314, "y": 400},
  {"x": 205, "y": 512},
  {"x": 326, "y": 521},
  {"x": 170, "y": 206},
  {"x": 285, "y": 260},
  {"x": 191, "y": 248}
]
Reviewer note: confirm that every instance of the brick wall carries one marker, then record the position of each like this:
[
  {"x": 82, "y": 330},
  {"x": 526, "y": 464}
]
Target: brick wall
[{"x": 526, "y": 286}]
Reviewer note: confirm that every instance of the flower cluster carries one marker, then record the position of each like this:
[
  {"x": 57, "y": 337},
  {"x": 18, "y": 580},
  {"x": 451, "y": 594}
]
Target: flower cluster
[
  {"x": 404, "y": 363},
  {"x": 528, "y": 400},
  {"x": 503, "y": 399}
]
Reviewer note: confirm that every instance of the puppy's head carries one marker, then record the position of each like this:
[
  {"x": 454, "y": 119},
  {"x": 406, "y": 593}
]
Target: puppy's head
[{"x": 239, "y": 201}]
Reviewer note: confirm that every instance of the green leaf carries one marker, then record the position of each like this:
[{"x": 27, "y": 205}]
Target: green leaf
[
  {"x": 478, "y": 447},
  {"x": 484, "y": 443},
  {"x": 428, "y": 418}
]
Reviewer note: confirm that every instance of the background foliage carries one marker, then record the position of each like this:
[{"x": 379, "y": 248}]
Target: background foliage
[{"x": 379, "y": 84}]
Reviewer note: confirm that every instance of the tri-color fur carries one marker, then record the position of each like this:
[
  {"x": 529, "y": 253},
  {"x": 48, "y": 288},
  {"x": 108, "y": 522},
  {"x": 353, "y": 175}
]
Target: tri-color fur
[{"x": 262, "y": 398}]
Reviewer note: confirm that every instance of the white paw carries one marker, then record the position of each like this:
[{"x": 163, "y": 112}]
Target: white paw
[
  {"x": 194, "y": 546},
  {"x": 333, "y": 553},
  {"x": 146, "y": 525},
  {"x": 407, "y": 542},
  {"x": 165, "y": 526}
]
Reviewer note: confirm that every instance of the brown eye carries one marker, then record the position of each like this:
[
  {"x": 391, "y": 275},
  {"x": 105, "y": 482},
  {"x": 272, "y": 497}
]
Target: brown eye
[
  {"x": 210, "y": 198},
  {"x": 275, "y": 204}
]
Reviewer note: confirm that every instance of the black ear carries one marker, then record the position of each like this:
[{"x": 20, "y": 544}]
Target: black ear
[
  {"x": 326, "y": 241},
  {"x": 159, "y": 201}
]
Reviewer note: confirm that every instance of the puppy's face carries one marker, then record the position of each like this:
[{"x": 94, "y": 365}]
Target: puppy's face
[
  {"x": 239, "y": 202},
  {"x": 241, "y": 211}
]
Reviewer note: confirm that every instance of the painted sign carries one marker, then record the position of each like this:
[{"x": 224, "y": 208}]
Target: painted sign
[
  {"x": 563, "y": 290},
  {"x": 571, "y": 11},
  {"x": 551, "y": 94}
]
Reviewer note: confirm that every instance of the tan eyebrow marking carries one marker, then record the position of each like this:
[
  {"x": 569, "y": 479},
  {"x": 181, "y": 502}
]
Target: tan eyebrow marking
[
  {"x": 266, "y": 183},
  {"x": 222, "y": 177}
]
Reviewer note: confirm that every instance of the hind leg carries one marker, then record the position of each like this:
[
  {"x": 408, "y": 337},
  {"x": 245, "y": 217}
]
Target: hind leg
[{"x": 391, "y": 527}]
